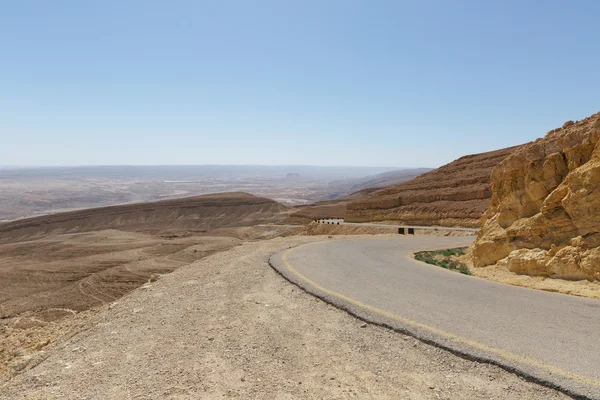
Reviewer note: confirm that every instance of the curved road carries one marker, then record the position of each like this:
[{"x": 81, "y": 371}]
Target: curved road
[{"x": 549, "y": 337}]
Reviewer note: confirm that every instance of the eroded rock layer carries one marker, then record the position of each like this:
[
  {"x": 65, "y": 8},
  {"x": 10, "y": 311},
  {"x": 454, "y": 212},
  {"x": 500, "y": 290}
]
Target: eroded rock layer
[
  {"x": 544, "y": 217},
  {"x": 455, "y": 194}
]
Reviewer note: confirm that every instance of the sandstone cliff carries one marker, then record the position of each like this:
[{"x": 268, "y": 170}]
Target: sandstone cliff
[
  {"x": 454, "y": 194},
  {"x": 544, "y": 215}
]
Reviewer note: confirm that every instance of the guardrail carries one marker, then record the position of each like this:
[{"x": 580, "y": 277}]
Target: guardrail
[{"x": 402, "y": 230}]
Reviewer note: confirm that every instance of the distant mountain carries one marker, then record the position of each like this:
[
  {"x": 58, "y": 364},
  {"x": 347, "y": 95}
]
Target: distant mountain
[
  {"x": 351, "y": 190},
  {"x": 28, "y": 191},
  {"x": 342, "y": 188},
  {"x": 390, "y": 178}
]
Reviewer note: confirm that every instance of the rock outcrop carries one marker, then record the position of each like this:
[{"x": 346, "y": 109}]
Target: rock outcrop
[
  {"x": 544, "y": 216},
  {"x": 456, "y": 194}
]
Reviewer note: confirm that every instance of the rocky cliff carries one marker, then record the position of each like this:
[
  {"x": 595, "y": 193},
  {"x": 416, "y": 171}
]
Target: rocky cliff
[
  {"x": 454, "y": 194},
  {"x": 544, "y": 215}
]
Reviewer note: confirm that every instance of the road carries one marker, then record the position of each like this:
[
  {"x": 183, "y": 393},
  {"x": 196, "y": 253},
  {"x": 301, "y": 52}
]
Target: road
[
  {"x": 551, "y": 338},
  {"x": 335, "y": 221}
]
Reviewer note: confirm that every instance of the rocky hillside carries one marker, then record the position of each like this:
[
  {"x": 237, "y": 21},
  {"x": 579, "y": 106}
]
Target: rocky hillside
[
  {"x": 327, "y": 208},
  {"x": 390, "y": 178},
  {"x": 544, "y": 216},
  {"x": 454, "y": 194},
  {"x": 336, "y": 208}
]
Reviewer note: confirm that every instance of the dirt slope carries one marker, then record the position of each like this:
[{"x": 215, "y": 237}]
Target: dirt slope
[
  {"x": 544, "y": 217},
  {"x": 454, "y": 194},
  {"x": 230, "y": 327}
]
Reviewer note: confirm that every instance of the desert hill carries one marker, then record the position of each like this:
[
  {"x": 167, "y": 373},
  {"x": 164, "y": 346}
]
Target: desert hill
[
  {"x": 56, "y": 264},
  {"x": 457, "y": 193},
  {"x": 194, "y": 214},
  {"x": 543, "y": 218}
]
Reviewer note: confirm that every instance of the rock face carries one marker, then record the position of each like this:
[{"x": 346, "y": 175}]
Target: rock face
[
  {"x": 454, "y": 194},
  {"x": 544, "y": 217}
]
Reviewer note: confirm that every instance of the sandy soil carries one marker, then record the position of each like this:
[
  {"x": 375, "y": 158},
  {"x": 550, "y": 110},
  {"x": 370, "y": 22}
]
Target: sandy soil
[
  {"x": 500, "y": 273},
  {"x": 228, "y": 326},
  {"x": 46, "y": 280},
  {"x": 83, "y": 270}
]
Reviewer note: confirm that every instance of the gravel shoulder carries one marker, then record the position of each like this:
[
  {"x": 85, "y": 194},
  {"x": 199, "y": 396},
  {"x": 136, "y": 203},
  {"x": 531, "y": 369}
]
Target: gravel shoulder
[{"x": 228, "y": 326}]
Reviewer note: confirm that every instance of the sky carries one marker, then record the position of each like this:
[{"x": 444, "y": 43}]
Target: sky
[{"x": 364, "y": 83}]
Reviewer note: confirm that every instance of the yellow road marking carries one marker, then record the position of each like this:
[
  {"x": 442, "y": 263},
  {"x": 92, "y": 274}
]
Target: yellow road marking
[{"x": 458, "y": 339}]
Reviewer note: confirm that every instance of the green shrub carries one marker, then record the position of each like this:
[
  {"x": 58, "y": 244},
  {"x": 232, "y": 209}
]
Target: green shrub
[{"x": 443, "y": 258}]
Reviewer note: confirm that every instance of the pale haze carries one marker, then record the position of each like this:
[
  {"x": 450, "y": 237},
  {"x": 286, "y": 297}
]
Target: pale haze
[{"x": 386, "y": 83}]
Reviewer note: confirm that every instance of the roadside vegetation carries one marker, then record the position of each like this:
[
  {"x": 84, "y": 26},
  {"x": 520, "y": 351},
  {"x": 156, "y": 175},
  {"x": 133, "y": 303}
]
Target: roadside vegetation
[{"x": 445, "y": 259}]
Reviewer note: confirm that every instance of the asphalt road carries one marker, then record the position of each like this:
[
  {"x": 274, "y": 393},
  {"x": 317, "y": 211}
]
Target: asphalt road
[{"x": 551, "y": 338}]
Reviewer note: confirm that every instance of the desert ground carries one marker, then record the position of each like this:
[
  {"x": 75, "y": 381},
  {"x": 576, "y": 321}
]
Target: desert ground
[
  {"x": 175, "y": 299},
  {"x": 55, "y": 266},
  {"x": 228, "y": 326}
]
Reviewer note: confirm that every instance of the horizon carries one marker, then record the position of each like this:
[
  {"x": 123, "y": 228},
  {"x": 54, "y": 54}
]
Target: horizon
[
  {"x": 205, "y": 165},
  {"x": 299, "y": 83},
  {"x": 161, "y": 172}
]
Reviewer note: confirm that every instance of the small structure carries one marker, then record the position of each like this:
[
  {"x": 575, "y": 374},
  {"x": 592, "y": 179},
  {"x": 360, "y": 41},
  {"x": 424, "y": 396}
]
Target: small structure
[
  {"x": 411, "y": 231},
  {"x": 401, "y": 231}
]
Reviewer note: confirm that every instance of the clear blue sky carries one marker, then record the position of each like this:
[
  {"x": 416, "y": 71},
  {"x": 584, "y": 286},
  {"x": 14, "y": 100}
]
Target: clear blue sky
[{"x": 374, "y": 83}]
